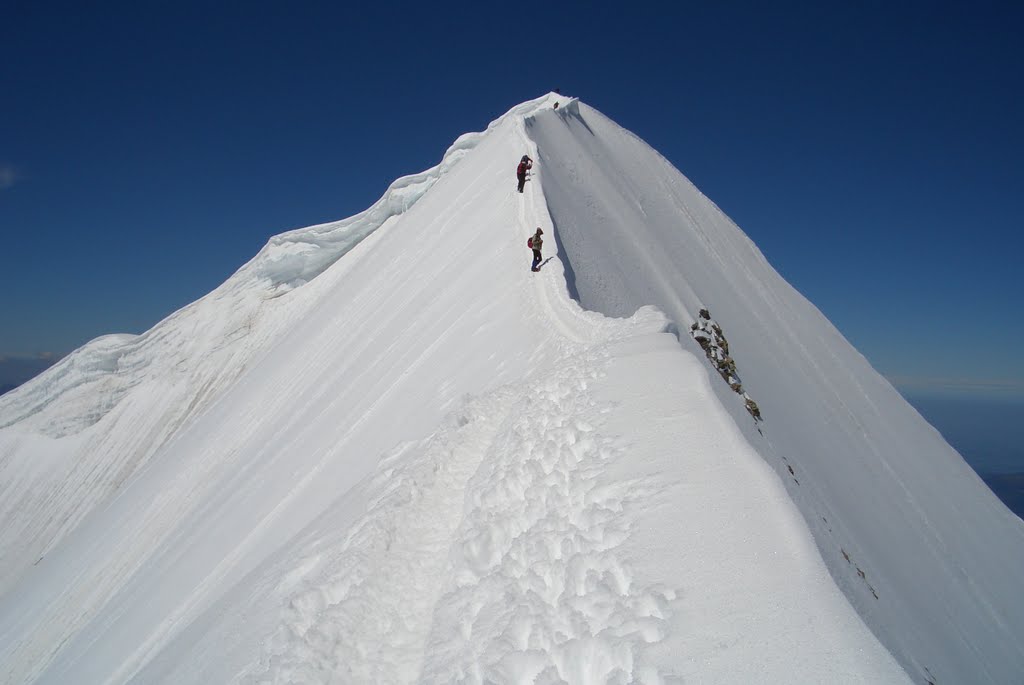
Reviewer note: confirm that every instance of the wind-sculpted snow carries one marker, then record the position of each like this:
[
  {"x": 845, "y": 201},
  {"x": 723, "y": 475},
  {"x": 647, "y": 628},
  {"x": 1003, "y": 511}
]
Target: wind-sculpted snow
[
  {"x": 291, "y": 259},
  {"x": 540, "y": 587},
  {"x": 288, "y": 261},
  {"x": 489, "y": 553},
  {"x": 76, "y": 373},
  {"x": 924, "y": 551},
  {"x": 112, "y": 403}
]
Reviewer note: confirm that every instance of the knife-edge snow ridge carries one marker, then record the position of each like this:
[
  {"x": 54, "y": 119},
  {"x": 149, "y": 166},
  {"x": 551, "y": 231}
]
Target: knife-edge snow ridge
[{"x": 386, "y": 450}]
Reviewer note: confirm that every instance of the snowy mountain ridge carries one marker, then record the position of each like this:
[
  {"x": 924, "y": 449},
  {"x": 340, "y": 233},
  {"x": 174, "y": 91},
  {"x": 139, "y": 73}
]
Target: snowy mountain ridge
[
  {"x": 288, "y": 261},
  {"x": 384, "y": 451},
  {"x": 178, "y": 366}
]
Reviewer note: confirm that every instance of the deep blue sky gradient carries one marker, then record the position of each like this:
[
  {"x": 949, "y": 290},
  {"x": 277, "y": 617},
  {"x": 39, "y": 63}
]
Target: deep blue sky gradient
[{"x": 873, "y": 152}]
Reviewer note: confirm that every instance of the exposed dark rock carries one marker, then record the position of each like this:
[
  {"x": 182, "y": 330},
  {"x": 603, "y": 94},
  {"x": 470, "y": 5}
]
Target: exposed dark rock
[
  {"x": 753, "y": 409},
  {"x": 711, "y": 339}
]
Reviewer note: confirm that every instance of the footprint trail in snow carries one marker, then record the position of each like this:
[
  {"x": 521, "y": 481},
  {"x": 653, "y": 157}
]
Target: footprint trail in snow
[{"x": 490, "y": 553}]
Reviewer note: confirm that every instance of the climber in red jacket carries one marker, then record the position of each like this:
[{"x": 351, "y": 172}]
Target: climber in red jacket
[{"x": 525, "y": 164}]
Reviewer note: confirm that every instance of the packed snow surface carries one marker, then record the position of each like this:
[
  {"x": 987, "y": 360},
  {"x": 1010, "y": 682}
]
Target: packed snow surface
[{"x": 385, "y": 451}]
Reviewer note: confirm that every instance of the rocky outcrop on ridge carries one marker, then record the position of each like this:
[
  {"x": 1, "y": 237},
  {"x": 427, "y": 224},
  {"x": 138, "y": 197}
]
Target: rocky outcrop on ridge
[{"x": 710, "y": 337}]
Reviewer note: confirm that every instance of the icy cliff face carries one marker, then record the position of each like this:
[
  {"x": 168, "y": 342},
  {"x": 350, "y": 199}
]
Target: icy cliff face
[{"x": 385, "y": 451}]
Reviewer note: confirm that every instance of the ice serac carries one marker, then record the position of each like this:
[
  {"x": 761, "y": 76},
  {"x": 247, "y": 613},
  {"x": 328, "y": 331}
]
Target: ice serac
[
  {"x": 385, "y": 451},
  {"x": 919, "y": 545}
]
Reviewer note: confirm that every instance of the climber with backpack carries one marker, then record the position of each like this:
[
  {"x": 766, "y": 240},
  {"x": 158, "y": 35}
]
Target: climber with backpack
[
  {"x": 535, "y": 242},
  {"x": 525, "y": 164}
]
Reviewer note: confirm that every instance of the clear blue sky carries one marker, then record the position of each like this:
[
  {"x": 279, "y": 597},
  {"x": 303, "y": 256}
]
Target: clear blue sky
[{"x": 872, "y": 151}]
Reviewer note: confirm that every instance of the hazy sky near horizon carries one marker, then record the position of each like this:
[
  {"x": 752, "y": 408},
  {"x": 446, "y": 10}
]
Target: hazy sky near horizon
[{"x": 873, "y": 152}]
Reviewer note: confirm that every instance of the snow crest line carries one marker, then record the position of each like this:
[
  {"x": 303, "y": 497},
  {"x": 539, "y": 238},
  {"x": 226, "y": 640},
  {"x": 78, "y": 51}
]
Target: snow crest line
[
  {"x": 296, "y": 257},
  {"x": 83, "y": 388},
  {"x": 503, "y": 500},
  {"x": 561, "y": 314}
]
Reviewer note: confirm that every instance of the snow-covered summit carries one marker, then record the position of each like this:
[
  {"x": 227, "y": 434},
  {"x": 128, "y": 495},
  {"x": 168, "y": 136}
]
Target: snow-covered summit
[{"x": 385, "y": 451}]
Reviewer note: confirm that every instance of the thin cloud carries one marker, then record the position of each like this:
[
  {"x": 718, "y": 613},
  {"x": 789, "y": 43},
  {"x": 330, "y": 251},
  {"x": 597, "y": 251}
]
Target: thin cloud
[{"x": 8, "y": 176}]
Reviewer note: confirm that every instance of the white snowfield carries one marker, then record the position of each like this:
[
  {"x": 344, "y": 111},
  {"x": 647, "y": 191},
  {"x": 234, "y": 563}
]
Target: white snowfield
[{"x": 384, "y": 451}]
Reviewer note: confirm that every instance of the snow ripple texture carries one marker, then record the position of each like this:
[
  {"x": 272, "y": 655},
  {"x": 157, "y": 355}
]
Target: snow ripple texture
[{"x": 490, "y": 554}]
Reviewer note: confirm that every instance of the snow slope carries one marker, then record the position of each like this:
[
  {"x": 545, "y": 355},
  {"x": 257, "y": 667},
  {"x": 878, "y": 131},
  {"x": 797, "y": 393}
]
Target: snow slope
[
  {"x": 103, "y": 411},
  {"x": 921, "y": 547},
  {"x": 384, "y": 451}
]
